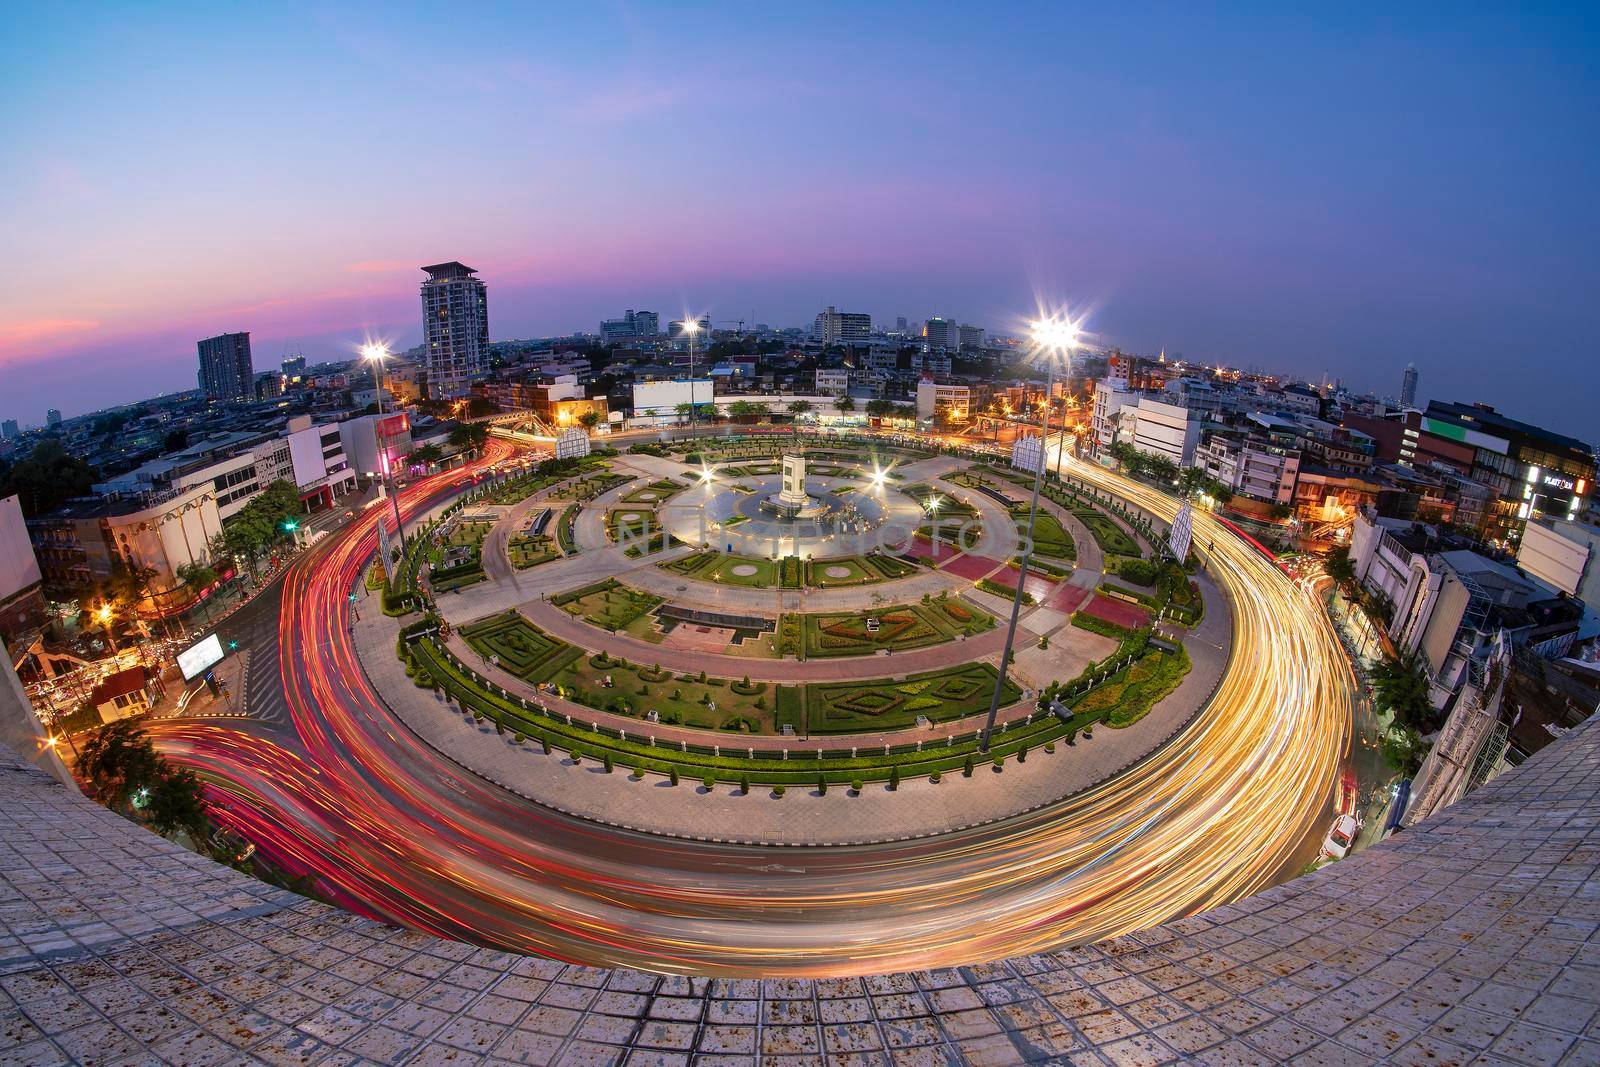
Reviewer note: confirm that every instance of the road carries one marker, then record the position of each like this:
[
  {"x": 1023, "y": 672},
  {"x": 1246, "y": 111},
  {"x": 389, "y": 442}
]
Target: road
[{"x": 391, "y": 829}]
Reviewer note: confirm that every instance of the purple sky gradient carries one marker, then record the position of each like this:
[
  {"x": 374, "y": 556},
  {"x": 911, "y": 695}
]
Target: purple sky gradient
[{"x": 1338, "y": 195}]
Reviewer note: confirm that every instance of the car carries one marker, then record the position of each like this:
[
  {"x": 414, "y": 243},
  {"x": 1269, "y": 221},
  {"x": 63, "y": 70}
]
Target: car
[{"x": 1340, "y": 837}]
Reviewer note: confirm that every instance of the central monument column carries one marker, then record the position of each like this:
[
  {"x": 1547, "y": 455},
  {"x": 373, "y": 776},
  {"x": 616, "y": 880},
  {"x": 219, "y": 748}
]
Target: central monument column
[{"x": 793, "y": 493}]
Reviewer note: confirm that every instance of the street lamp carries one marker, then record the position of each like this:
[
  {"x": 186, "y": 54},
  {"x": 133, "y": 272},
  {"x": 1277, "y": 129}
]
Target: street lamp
[
  {"x": 690, "y": 328},
  {"x": 1055, "y": 339},
  {"x": 375, "y": 352}
]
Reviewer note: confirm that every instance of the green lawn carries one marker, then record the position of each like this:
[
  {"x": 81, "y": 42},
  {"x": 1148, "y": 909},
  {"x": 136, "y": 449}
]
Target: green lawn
[
  {"x": 654, "y": 493},
  {"x": 905, "y": 626},
  {"x": 525, "y": 552},
  {"x": 1108, "y": 533},
  {"x": 1050, "y": 538},
  {"x": 523, "y": 649},
  {"x": 610, "y": 605},
  {"x": 853, "y": 707}
]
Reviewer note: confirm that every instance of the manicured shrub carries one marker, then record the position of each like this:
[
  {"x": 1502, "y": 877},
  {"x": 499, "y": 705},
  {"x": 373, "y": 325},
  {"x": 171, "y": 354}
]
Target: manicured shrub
[
  {"x": 744, "y": 784},
  {"x": 608, "y": 763},
  {"x": 894, "y": 777},
  {"x": 709, "y": 782},
  {"x": 966, "y": 770},
  {"x": 777, "y": 791},
  {"x": 822, "y": 785},
  {"x": 855, "y": 787},
  {"x": 672, "y": 775}
]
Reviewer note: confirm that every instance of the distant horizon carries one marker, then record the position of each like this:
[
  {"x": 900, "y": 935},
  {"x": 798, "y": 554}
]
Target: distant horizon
[{"x": 1338, "y": 193}]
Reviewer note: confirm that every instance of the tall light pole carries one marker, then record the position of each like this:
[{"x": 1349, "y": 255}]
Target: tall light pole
[
  {"x": 1055, "y": 339},
  {"x": 375, "y": 354},
  {"x": 690, "y": 328}
]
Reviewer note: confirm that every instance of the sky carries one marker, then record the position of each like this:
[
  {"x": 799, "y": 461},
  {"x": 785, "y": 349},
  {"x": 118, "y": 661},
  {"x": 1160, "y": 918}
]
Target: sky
[{"x": 1334, "y": 191}]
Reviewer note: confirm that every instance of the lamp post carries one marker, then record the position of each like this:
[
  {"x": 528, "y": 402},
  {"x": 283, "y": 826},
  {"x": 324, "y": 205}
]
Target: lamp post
[
  {"x": 375, "y": 354},
  {"x": 1054, "y": 337},
  {"x": 690, "y": 328}
]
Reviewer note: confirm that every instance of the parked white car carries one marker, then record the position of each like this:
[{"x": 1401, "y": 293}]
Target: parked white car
[{"x": 1340, "y": 837}]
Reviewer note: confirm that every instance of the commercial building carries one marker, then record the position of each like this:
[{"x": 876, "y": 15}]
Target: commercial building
[
  {"x": 970, "y": 336},
  {"x": 1535, "y": 473},
  {"x": 52, "y": 417},
  {"x": 1171, "y": 431},
  {"x": 21, "y": 584},
  {"x": 659, "y": 401},
  {"x": 1251, "y": 468},
  {"x": 947, "y": 403},
  {"x": 833, "y": 382},
  {"x": 318, "y": 465},
  {"x": 1111, "y": 395},
  {"x": 632, "y": 325},
  {"x": 455, "y": 328},
  {"x": 1565, "y": 554},
  {"x": 1408, "y": 386},
  {"x": 9, "y": 430},
  {"x": 1448, "y": 603},
  {"x": 832, "y": 326},
  {"x": 88, "y": 541},
  {"x": 375, "y": 445},
  {"x": 941, "y": 334},
  {"x": 226, "y": 372}
]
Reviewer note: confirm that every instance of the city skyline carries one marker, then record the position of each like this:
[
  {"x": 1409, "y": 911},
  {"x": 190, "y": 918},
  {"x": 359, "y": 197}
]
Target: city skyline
[{"x": 1336, "y": 225}]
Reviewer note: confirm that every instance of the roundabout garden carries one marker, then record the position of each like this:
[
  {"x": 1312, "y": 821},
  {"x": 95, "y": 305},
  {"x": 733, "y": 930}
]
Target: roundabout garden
[{"x": 820, "y": 660}]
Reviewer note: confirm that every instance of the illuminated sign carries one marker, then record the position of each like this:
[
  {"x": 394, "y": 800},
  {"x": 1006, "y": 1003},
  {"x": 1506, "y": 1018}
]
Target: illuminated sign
[
  {"x": 1556, "y": 481},
  {"x": 199, "y": 658}
]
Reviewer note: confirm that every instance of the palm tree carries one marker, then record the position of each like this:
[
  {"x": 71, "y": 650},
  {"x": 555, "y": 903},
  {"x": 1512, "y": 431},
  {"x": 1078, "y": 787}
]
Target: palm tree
[
  {"x": 684, "y": 410},
  {"x": 1401, "y": 687}
]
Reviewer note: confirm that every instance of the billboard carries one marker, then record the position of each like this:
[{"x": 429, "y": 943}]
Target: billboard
[
  {"x": 572, "y": 444},
  {"x": 200, "y": 657},
  {"x": 663, "y": 398}
]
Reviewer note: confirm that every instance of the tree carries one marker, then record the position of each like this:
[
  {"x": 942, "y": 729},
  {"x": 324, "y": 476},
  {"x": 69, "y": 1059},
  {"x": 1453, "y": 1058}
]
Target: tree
[
  {"x": 800, "y": 407},
  {"x": 845, "y": 403},
  {"x": 468, "y": 436},
  {"x": 1401, "y": 687},
  {"x": 1191, "y": 480},
  {"x": 880, "y": 409},
  {"x": 1162, "y": 468},
  {"x": 1124, "y": 453},
  {"x": 1403, "y": 750},
  {"x": 424, "y": 456},
  {"x": 176, "y": 441},
  {"x": 198, "y": 574},
  {"x": 177, "y": 802},
  {"x": 684, "y": 410},
  {"x": 589, "y": 419},
  {"x": 118, "y": 761},
  {"x": 48, "y": 478},
  {"x": 1338, "y": 566}
]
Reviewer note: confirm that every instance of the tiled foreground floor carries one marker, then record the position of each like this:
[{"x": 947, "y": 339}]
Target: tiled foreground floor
[{"x": 1472, "y": 937}]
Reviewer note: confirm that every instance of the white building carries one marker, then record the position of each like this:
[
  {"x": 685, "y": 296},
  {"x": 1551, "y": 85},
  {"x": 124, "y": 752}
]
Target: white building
[
  {"x": 376, "y": 444},
  {"x": 1110, "y": 396},
  {"x": 1168, "y": 430},
  {"x": 317, "y": 463},
  {"x": 833, "y": 325},
  {"x": 1565, "y": 554},
  {"x": 455, "y": 328},
  {"x": 948, "y": 401},
  {"x": 833, "y": 382},
  {"x": 1255, "y": 470}
]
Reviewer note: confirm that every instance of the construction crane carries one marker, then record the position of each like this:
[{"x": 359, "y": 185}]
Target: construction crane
[{"x": 739, "y": 323}]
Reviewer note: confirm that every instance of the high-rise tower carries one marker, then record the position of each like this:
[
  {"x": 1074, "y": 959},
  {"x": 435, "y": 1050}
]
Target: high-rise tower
[
  {"x": 226, "y": 372},
  {"x": 455, "y": 328},
  {"x": 1408, "y": 387}
]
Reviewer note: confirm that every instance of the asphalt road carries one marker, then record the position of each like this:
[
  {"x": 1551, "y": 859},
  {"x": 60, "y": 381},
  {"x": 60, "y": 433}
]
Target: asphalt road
[{"x": 386, "y": 826}]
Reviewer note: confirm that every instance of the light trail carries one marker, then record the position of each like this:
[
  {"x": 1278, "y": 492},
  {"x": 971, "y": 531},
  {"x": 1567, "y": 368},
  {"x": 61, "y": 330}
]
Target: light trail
[{"x": 391, "y": 829}]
